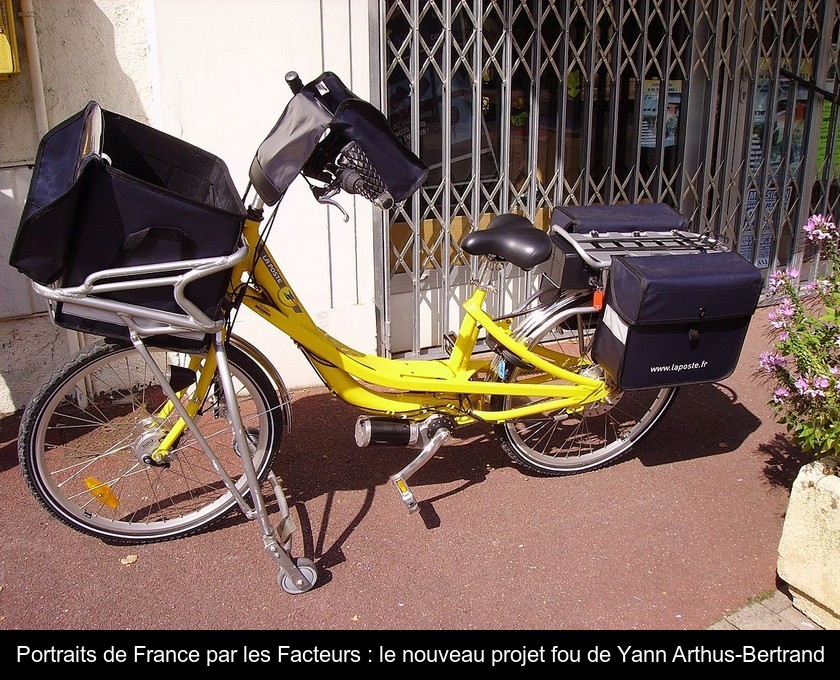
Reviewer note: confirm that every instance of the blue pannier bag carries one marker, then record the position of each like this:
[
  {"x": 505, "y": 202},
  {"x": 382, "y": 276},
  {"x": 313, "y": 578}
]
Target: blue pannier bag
[
  {"x": 674, "y": 320},
  {"x": 109, "y": 192},
  {"x": 628, "y": 218}
]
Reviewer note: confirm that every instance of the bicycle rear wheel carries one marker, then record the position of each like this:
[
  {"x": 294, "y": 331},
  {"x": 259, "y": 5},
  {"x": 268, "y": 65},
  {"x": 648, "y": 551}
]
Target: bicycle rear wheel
[
  {"x": 565, "y": 442},
  {"x": 86, "y": 436}
]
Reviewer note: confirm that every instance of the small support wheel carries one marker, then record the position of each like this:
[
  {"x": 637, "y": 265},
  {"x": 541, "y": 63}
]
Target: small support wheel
[{"x": 309, "y": 571}]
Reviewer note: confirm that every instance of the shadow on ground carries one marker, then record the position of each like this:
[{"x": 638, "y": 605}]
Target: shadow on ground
[
  {"x": 784, "y": 459},
  {"x": 8, "y": 441},
  {"x": 319, "y": 458}
]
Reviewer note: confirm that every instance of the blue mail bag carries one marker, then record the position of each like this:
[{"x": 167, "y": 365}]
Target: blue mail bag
[
  {"x": 646, "y": 217},
  {"x": 674, "y": 320},
  {"x": 109, "y": 192}
]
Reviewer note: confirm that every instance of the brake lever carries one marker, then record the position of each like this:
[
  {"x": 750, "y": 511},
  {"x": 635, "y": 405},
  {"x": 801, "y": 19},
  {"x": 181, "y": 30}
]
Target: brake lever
[{"x": 324, "y": 197}]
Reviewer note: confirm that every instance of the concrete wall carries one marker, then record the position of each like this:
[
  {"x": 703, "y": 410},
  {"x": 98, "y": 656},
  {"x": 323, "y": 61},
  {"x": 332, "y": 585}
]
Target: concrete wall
[
  {"x": 210, "y": 72},
  {"x": 90, "y": 49}
]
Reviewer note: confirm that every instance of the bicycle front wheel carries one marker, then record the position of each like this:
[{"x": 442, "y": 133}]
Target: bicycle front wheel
[
  {"x": 86, "y": 438},
  {"x": 568, "y": 442}
]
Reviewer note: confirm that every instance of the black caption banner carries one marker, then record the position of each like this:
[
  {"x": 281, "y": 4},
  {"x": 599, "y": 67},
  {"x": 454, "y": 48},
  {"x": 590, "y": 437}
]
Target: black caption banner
[{"x": 480, "y": 650}]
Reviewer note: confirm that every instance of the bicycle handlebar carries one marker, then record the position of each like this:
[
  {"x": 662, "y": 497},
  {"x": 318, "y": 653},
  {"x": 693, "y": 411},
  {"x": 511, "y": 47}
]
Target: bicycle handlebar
[
  {"x": 351, "y": 168},
  {"x": 358, "y": 175},
  {"x": 349, "y": 179},
  {"x": 294, "y": 82}
]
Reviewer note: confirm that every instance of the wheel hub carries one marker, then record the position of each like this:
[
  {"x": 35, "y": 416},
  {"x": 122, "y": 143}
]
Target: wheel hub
[
  {"x": 146, "y": 444},
  {"x": 605, "y": 405},
  {"x": 602, "y": 407},
  {"x": 253, "y": 436}
]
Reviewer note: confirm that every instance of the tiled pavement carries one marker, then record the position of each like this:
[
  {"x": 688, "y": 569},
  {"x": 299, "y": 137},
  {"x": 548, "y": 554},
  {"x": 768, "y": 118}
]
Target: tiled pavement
[{"x": 771, "y": 612}]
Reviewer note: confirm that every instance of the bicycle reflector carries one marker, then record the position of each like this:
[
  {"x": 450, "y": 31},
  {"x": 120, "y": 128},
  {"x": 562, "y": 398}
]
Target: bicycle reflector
[
  {"x": 102, "y": 492},
  {"x": 598, "y": 299}
]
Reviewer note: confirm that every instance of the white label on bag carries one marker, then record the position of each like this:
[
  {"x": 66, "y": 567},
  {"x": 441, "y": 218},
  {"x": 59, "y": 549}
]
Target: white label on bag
[{"x": 617, "y": 327}]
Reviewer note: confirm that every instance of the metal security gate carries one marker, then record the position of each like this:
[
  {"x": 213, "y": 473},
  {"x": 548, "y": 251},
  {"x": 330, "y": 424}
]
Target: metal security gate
[{"x": 722, "y": 109}]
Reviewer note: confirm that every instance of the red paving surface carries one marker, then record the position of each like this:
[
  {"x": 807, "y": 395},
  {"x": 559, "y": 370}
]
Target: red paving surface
[{"x": 682, "y": 531}]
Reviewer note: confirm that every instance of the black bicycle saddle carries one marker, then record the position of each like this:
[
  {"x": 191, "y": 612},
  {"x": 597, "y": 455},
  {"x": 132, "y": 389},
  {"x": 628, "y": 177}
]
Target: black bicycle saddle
[{"x": 510, "y": 238}]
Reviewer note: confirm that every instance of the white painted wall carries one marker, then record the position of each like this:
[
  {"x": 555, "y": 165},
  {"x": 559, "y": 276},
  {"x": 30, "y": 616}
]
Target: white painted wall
[
  {"x": 211, "y": 72},
  {"x": 221, "y": 86}
]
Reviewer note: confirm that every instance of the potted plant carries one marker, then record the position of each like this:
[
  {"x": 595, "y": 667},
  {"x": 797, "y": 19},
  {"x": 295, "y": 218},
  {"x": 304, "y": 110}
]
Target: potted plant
[{"x": 804, "y": 369}]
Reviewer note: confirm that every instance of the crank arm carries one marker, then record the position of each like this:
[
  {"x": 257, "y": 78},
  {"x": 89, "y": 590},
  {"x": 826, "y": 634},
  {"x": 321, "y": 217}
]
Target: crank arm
[{"x": 400, "y": 479}]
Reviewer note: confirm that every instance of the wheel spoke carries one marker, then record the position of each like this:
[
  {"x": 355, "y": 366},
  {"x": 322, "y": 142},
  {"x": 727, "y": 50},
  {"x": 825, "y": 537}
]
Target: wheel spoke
[
  {"x": 85, "y": 457},
  {"x": 577, "y": 441}
]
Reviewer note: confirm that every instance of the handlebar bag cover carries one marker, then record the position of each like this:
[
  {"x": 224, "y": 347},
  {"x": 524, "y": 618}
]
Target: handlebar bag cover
[
  {"x": 316, "y": 124},
  {"x": 675, "y": 319},
  {"x": 579, "y": 219},
  {"x": 108, "y": 191}
]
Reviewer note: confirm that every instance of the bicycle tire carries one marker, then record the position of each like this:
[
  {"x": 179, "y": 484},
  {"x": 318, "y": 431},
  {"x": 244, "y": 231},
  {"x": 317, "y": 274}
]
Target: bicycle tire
[
  {"x": 567, "y": 443},
  {"x": 94, "y": 420}
]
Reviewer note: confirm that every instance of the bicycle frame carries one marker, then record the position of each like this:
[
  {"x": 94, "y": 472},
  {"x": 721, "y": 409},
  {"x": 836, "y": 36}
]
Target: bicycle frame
[
  {"x": 412, "y": 403},
  {"x": 419, "y": 387}
]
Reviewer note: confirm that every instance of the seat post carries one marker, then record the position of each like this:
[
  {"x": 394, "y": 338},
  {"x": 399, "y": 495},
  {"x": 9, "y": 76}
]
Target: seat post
[{"x": 487, "y": 274}]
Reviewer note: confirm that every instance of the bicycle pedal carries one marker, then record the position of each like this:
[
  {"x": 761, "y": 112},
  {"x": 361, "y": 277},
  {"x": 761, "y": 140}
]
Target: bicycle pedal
[
  {"x": 449, "y": 340},
  {"x": 406, "y": 494},
  {"x": 507, "y": 355}
]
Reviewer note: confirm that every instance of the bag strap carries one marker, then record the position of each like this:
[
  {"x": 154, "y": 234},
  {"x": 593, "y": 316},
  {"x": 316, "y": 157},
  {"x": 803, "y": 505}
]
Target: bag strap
[{"x": 135, "y": 240}]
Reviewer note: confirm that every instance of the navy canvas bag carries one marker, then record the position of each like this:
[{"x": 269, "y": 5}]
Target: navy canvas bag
[
  {"x": 675, "y": 319},
  {"x": 316, "y": 125},
  {"x": 108, "y": 191}
]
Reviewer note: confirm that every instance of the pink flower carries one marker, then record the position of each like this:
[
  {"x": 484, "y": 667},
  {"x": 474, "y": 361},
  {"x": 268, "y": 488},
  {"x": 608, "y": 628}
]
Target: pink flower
[
  {"x": 819, "y": 286},
  {"x": 819, "y": 228},
  {"x": 777, "y": 281},
  {"x": 811, "y": 389},
  {"x": 776, "y": 320},
  {"x": 780, "y": 394},
  {"x": 785, "y": 309},
  {"x": 769, "y": 361}
]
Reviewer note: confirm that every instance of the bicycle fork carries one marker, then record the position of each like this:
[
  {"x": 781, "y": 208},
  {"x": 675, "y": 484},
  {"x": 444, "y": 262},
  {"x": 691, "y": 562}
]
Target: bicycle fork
[{"x": 275, "y": 541}]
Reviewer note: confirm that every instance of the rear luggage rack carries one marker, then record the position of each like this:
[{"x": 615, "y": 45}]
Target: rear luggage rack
[{"x": 598, "y": 248}]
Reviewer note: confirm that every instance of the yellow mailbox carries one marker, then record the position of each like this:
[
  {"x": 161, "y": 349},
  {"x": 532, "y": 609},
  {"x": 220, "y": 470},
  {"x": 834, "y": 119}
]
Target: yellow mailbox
[{"x": 9, "y": 61}]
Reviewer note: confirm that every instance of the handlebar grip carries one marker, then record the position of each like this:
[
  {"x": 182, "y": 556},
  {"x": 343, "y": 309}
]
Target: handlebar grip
[
  {"x": 294, "y": 82},
  {"x": 359, "y": 176},
  {"x": 351, "y": 181}
]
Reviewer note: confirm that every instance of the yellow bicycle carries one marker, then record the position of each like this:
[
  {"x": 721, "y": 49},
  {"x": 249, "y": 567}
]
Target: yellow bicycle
[{"x": 174, "y": 420}]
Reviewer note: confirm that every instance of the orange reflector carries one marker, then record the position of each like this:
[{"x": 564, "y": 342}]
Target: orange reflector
[
  {"x": 102, "y": 492},
  {"x": 598, "y": 299}
]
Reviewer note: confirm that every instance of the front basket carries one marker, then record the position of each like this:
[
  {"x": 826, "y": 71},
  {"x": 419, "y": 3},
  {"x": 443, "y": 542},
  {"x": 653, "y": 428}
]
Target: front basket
[{"x": 110, "y": 192}]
